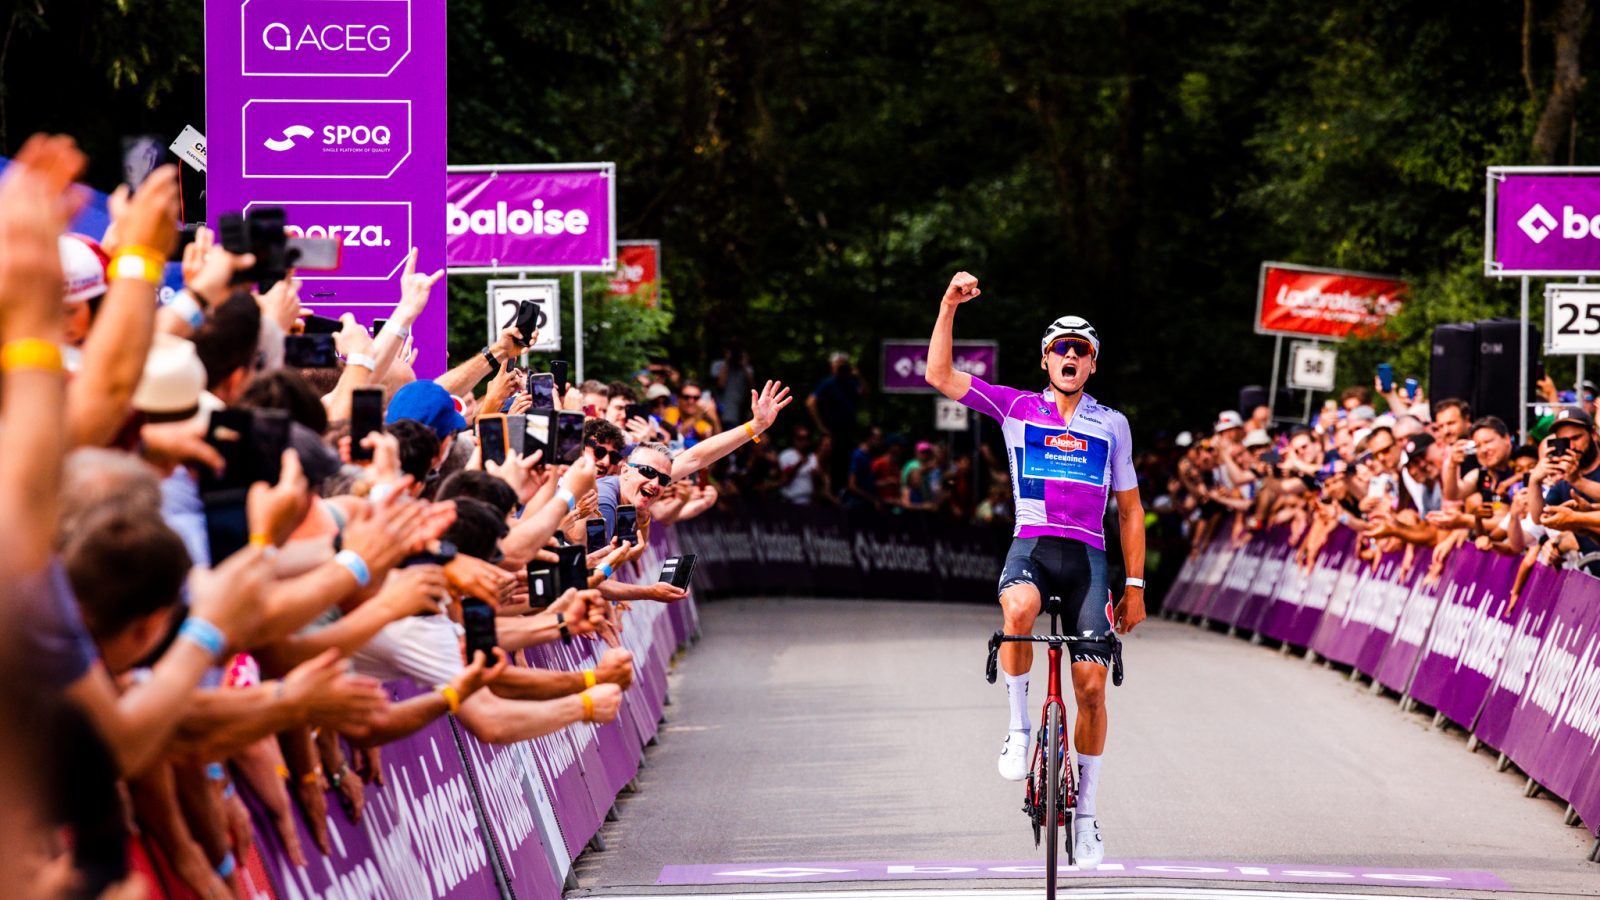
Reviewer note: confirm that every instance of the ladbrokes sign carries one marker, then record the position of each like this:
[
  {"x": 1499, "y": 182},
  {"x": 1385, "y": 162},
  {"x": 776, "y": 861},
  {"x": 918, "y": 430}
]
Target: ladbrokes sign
[
  {"x": 1543, "y": 222},
  {"x": 1327, "y": 304}
]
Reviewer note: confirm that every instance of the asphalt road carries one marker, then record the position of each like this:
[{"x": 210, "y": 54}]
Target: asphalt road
[{"x": 825, "y": 730}]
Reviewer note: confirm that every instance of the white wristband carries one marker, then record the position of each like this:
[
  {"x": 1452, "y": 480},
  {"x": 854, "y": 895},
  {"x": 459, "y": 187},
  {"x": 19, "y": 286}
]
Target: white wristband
[
  {"x": 188, "y": 308},
  {"x": 362, "y": 360},
  {"x": 567, "y": 497},
  {"x": 1133, "y": 582},
  {"x": 392, "y": 327}
]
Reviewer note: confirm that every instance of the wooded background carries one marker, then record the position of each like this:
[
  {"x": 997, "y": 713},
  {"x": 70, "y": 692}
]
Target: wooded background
[{"x": 816, "y": 171}]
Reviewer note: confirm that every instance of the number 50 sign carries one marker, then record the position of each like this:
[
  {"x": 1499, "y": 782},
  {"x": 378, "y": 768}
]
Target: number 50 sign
[{"x": 1572, "y": 318}]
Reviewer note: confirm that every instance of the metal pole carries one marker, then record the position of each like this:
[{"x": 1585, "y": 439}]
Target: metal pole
[
  {"x": 577, "y": 325},
  {"x": 1577, "y": 390},
  {"x": 1522, "y": 370},
  {"x": 1307, "y": 419},
  {"x": 1272, "y": 387}
]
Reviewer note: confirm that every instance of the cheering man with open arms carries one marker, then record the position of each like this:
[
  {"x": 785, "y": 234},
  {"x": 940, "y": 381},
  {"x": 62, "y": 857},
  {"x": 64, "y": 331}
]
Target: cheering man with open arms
[{"x": 1066, "y": 453}]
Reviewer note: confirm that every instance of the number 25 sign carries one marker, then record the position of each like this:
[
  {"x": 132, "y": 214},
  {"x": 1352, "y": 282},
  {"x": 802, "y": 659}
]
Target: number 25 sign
[{"x": 1572, "y": 318}]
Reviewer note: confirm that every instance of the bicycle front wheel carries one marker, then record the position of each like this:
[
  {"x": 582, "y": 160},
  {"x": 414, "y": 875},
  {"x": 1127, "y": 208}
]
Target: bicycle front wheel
[{"x": 1052, "y": 808}]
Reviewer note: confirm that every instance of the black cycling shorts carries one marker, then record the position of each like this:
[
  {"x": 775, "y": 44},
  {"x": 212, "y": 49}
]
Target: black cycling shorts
[{"x": 1076, "y": 573}]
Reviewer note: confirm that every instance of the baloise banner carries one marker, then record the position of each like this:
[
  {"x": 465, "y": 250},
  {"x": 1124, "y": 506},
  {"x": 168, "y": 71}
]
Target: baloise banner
[
  {"x": 554, "y": 218},
  {"x": 823, "y": 551},
  {"x": 1326, "y": 304},
  {"x": 1543, "y": 222},
  {"x": 334, "y": 111}
]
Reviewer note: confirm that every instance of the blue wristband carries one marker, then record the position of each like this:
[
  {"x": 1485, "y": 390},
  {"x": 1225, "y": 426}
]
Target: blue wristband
[
  {"x": 215, "y": 772},
  {"x": 567, "y": 497},
  {"x": 352, "y": 561},
  {"x": 226, "y": 867},
  {"x": 606, "y": 570},
  {"x": 207, "y": 635},
  {"x": 187, "y": 308},
  {"x": 227, "y": 791}
]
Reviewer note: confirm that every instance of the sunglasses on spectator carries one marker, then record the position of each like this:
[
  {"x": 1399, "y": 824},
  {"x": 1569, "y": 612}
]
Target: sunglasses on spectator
[
  {"x": 602, "y": 452},
  {"x": 650, "y": 472},
  {"x": 690, "y": 396},
  {"x": 1062, "y": 345}
]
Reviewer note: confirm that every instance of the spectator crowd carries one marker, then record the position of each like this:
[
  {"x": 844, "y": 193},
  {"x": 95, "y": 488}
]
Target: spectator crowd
[
  {"x": 1404, "y": 473},
  {"x": 216, "y": 558}
]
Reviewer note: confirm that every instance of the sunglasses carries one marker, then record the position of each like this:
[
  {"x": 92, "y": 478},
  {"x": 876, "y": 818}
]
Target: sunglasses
[
  {"x": 602, "y": 452},
  {"x": 690, "y": 396},
  {"x": 1062, "y": 345},
  {"x": 650, "y": 472}
]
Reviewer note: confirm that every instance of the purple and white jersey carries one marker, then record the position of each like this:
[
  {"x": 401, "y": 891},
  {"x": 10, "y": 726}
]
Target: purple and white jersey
[{"x": 1061, "y": 476}]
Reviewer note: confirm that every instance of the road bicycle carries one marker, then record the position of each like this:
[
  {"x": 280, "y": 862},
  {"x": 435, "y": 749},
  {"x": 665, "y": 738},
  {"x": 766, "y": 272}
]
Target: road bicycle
[{"x": 1051, "y": 791}]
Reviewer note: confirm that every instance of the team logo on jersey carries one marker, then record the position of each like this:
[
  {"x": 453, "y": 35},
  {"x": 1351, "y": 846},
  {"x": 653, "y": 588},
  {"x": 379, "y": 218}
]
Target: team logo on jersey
[{"x": 1065, "y": 442}]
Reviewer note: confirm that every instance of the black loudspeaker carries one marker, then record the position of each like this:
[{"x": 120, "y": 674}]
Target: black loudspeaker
[
  {"x": 1453, "y": 368},
  {"x": 1499, "y": 347},
  {"x": 1250, "y": 397}
]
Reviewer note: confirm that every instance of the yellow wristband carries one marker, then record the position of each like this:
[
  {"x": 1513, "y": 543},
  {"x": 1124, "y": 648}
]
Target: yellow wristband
[
  {"x": 756, "y": 438},
  {"x": 283, "y": 771},
  {"x": 588, "y": 706},
  {"x": 140, "y": 263},
  {"x": 312, "y": 777},
  {"x": 451, "y": 698},
  {"x": 588, "y": 678},
  {"x": 30, "y": 353},
  {"x": 260, "y": 540}
]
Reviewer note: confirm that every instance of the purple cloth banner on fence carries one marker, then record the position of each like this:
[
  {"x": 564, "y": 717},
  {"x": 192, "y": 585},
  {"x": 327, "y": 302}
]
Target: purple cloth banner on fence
[
  {"x": 1224, "y": 605},
  {"x": 1346, "y": 620},
  {"x": 1277, "y": 557},
  {"x": 1533, "y": 610},
  {"x": 1400, "y": 657},
  {"x": 520, "y": 815},
  {"x": 419, "y": 836},
  {"x": 1387, "y": 600},
  {"x": 1301, "y": 596},
  {"x": 1469, "y": 636}
]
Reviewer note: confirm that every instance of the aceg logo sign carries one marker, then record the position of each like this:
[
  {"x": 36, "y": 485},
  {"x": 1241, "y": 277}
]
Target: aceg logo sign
[
  {"x": 345, "y": 38},
  {"x": 325, "y": 138},
  {"x": 374, "y": 236}
]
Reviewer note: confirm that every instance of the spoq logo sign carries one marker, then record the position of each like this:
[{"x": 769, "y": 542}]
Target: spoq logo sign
[
  {"x": 324, "y": 37},
  {"x": 325, "y": 138}
]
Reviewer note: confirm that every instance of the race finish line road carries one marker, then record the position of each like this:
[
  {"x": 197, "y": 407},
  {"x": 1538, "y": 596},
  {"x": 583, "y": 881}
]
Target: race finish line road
[{"x": 846, "y": 749}]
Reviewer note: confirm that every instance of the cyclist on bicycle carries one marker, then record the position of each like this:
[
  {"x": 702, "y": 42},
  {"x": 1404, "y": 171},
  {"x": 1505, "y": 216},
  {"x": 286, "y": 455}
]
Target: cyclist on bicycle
[{"x": 1066, "y": 453}]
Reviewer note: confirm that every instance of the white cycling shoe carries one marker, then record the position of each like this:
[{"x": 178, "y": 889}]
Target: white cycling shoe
[
  {"x": 1087, "y": 848},
  {"x": 1014, "y": 756}
]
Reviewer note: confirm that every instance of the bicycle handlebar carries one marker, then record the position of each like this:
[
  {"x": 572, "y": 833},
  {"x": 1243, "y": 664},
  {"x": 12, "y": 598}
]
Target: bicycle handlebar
[{"x": 1109, "y": 638}]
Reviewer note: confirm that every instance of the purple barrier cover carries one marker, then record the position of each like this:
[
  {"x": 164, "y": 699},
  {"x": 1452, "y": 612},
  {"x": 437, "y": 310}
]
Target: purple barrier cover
[
  {"x": 1533, "y": 611},
  {"x": 1400, "y": 657},
  {"x": 1213, "y": 561},
  {"x": 1277, "y": 558},
  {"x": 1469, "y": 636},
  {"x": 569, "y": 757},
  {"x": 1178, "y": 592},
  {"x": 1236, "y": 581},
  {"x": 1386, "y": 600},
  {"x": 419, "y": 835},
  {"x": 1347, "y": 620},
  {"x": 520, "y": 815},
  {"x": 1556, "y": 726},
  {"x": 1301, "y": 596}
]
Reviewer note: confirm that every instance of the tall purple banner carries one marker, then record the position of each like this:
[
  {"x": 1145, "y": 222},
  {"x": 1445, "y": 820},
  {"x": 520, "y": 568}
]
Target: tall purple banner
[
  {"x": 905, "y": 363},
  {"x": 1543, "y": 223},
  {"x": 334, "y": 110},
  {"x": 556, "y": 218}
]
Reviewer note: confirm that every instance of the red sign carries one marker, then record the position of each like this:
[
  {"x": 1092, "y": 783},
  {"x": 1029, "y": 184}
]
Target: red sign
[
  {"x": 638, "y": 271},
  {"x": 1326, "y": 304},
  {"x": 1065, "y": 442}
]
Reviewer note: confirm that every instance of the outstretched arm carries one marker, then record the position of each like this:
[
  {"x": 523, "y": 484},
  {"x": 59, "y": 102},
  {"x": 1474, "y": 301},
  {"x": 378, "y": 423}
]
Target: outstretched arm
[
  {"x": 941, "y": 372},
  {"x": 764, "y": 410}
]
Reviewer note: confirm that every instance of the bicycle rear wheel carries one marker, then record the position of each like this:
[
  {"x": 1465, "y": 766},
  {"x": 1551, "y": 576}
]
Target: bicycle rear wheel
[{"x": 1052, "y": 809}]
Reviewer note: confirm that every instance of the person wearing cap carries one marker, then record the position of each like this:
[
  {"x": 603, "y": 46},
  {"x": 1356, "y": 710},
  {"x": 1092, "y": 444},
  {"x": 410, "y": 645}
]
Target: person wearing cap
[
  {"x": 1068, "y": 454},
  {"x": 1568, "y": 471},
  {"x": 917, "y": 479}
]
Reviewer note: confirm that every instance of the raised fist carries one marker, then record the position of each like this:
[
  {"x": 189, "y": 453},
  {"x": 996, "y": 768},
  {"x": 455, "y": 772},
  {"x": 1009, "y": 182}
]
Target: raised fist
[{"x": 963, "y": 287}]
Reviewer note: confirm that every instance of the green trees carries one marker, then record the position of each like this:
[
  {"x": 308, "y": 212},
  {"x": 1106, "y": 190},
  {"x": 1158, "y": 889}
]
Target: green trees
[{"x": 816, "y": 171}]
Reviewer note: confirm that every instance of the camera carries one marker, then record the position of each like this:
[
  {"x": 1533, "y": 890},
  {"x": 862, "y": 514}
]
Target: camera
[{"x": 262, "y": 232}]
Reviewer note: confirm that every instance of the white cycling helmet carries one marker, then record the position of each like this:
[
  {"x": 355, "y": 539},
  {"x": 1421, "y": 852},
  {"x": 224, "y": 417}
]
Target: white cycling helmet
[{"x": 1070, "y": 326}]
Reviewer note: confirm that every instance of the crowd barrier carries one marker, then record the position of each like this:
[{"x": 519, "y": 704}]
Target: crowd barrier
[
  {"x": 1522, "y": 675},
  {"x": 458, "y": 818},
  {"x": 824, "y": 551}
]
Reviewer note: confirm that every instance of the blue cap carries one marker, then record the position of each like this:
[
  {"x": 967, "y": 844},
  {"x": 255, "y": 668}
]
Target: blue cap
[{"x": 429, "y": 403}]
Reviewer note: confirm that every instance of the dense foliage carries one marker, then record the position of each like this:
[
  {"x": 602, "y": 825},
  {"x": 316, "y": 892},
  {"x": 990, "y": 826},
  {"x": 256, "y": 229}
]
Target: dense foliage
[{"x": 816, "y": 171}]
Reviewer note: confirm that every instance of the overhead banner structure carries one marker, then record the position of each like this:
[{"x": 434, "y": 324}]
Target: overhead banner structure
[
  {"x": 1325, "y": 304},
  {"x": 638, "y": 272},
  {"x": 536, "y": 218},
  {"x": 905, "y": 363},
  {"x": 1542, "y": 220},
  {"x": 334, "y": 110}
]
